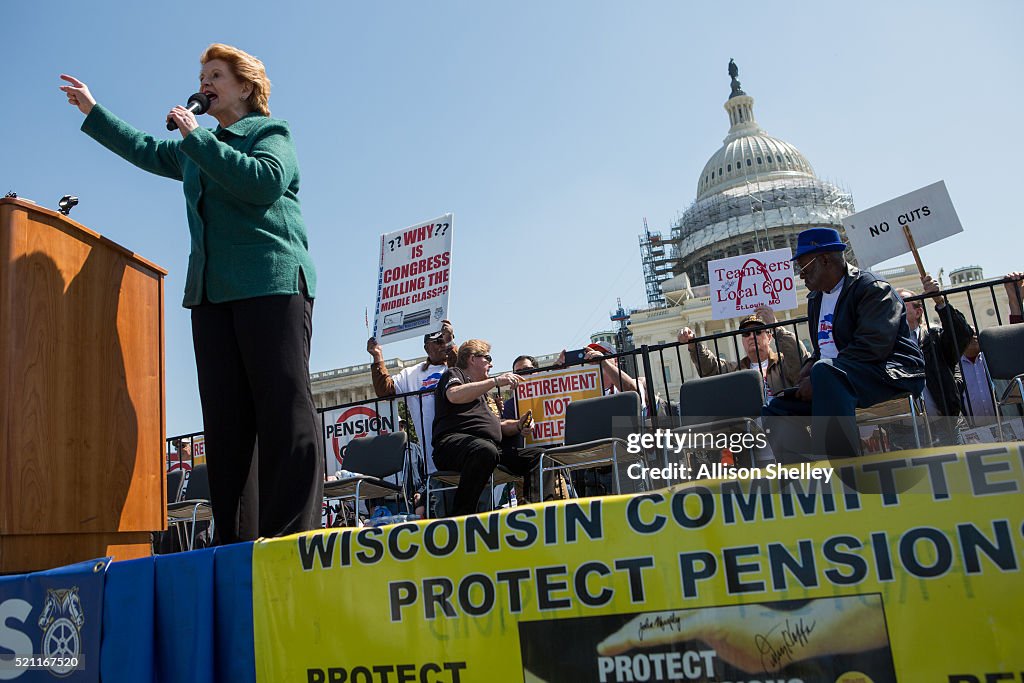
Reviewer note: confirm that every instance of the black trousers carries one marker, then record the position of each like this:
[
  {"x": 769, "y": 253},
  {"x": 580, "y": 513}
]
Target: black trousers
[
  {"x": 252, "y": 358},
  {"x": 475, "y": 458}
]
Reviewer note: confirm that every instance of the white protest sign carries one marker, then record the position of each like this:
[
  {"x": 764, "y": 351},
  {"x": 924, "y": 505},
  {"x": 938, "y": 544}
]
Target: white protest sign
[
  {"x": 876, "y": 234},
  {"x": 356, "y": 422},
  {"x": 740, "y": 284},
  {"x": 412, "y": 283}
]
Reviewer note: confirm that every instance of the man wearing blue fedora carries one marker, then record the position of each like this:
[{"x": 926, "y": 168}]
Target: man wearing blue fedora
[{"x": 863, "y": 352}]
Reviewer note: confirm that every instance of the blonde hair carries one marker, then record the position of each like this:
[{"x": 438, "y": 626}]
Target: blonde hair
[
  {"x": 471, "y": 348},
  {"x": 247, "y": 68}
]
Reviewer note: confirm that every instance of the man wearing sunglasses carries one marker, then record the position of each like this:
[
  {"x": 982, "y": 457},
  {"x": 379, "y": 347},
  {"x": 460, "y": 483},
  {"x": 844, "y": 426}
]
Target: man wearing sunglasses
[
  {"x": 942, "y": 344},
  {"x": 779, "y": 369},
  {"x": 864, "y": 353}
]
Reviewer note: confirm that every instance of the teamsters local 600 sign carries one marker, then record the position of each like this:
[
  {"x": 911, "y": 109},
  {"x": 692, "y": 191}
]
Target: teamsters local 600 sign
[
  {"x": 740, "y": 284},
  {"x": 412, "y": 282}
]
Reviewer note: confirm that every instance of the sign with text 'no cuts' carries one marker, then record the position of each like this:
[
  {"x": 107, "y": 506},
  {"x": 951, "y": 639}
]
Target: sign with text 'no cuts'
[
  {"x": 740, "y": 284},
  {"x": 548, "y": 394},
  {"x": 412, "y": 283},
  {"x": 876, "y": 234}
]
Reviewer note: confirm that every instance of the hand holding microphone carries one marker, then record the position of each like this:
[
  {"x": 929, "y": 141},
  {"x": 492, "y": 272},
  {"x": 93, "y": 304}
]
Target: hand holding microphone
[{"x": 184, "y": 118}]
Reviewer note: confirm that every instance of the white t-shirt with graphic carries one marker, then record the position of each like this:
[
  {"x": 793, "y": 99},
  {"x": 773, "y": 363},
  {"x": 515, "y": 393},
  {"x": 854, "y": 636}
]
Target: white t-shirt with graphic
[
  {"x": 416, "y": 378},
  {"x": 826, "y": 340}
]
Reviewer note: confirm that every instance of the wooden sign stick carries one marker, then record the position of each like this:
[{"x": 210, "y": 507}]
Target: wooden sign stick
[{"x": 913, "y": 250}]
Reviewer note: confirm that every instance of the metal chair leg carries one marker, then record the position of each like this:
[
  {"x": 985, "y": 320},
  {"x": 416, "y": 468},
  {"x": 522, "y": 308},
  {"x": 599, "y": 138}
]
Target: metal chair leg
[
  {"x": 927, "y": 423},
  {"x": 615, "y": 468},
  {"x": 355, "y": 513},
  {"x": 180, "y": 533},
  {"x": 996, "y": 406},
  {"x": 913, "y": 421},
  {"x": 540, "y": 494},
  {"x": 195, "y": 513}
]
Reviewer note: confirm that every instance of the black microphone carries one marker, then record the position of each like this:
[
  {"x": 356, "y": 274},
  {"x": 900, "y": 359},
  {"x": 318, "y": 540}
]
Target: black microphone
[{"x": 197, "y": 104}]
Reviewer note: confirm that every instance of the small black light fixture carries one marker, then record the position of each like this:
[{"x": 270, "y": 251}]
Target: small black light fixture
[{"x": 66, "y": 203}]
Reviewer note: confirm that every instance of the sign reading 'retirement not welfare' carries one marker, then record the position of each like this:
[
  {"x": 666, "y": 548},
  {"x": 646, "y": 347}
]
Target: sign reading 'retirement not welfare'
[
  {"x": 548, "y": 394},
  {"x": 740, "y": 284},
  {"x": 412, "y": 282},
  {"x": 876, "y": 234}
]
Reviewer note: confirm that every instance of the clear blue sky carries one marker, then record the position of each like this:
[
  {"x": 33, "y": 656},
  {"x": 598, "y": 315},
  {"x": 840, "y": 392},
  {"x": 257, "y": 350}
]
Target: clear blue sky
[{"x": 550, "y": 129}]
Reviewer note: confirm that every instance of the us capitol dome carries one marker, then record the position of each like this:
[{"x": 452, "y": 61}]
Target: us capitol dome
[{"x": 755, "y": 193}]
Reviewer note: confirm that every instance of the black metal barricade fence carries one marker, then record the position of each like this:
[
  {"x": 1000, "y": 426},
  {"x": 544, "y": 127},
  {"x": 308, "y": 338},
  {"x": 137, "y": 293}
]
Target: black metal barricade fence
[
  {"x": 646, "y": 365},
  {"x": 181, "y": 450}
]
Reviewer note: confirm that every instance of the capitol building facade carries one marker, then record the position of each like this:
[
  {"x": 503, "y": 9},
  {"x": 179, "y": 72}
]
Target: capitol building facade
[{"x": 755, "y": 193}]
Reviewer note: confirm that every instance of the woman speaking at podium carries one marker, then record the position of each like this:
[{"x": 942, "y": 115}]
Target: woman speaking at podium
[{"x": 250, "y": 288}]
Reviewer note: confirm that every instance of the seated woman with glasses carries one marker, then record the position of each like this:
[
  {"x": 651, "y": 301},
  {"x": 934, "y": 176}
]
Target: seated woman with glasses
[{"x": 467, "y": 432}]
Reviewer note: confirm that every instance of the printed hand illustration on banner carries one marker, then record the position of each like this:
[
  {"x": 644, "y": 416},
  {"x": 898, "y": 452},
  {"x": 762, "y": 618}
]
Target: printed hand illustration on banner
[{"x": 759, "y": 639}]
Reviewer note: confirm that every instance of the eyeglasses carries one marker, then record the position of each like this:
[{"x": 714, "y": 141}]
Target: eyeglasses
[
  {"x": 917, "y": 304},
  {"x": 747, "y": 333},
  {"x": 801, "y": 269},
  {"x": 485, "y": 356}
]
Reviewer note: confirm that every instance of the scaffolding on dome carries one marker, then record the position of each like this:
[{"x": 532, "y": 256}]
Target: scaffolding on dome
[
  {"x": 745, "y": 218},
  {"x": 657, "y": 267}
]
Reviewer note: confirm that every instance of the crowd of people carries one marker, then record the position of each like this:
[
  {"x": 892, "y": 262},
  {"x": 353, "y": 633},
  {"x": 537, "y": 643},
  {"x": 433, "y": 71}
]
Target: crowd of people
[
  {"x": 467, "y": 426},
  {"x": 869, "y": 346}
]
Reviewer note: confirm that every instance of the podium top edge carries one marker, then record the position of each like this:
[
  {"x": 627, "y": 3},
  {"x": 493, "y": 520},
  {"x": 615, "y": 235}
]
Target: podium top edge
[{"x": 35, "y": 208}]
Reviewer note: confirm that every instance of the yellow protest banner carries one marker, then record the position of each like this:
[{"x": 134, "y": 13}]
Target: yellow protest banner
[
  {"x": 548, "y": 394},
  {"x": 905, "y": 566}
]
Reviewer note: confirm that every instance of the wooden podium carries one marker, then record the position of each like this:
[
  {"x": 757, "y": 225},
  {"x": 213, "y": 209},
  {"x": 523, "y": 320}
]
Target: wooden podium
[{"x": 81, "y": 394}]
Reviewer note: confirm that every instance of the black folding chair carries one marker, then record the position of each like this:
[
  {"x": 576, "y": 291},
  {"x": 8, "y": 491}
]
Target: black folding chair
[
  {"x": 447, "y": 480},
  {"x": 720, "y": 404},
  {"x": 163, "y": 541},
  {"x": 1003, "y": 348},
  {"x": 369, "y": 460},
  {"x": 193, "y": 508},
  {"x": 589, "y": 436},
  {"x": 899, "y": 408},
  {"x": 175, "y": 484}
]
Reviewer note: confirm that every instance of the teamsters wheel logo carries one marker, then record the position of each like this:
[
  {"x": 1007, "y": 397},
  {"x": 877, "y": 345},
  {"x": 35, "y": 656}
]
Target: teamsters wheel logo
[{"x": 61, "y": 621}]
